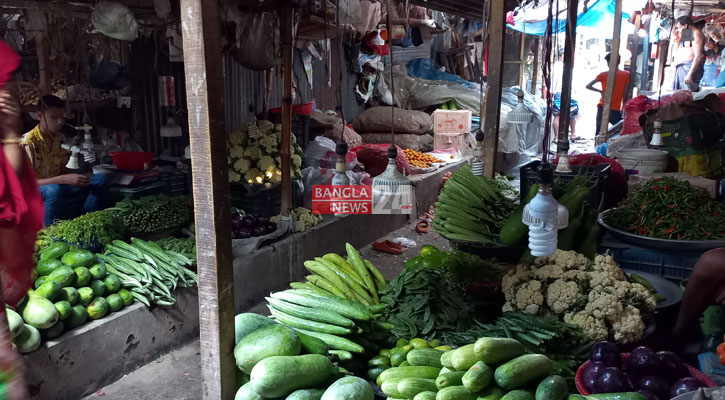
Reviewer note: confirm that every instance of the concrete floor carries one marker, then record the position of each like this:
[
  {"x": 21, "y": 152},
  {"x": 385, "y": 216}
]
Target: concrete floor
[{"x": 176, "y": 375}]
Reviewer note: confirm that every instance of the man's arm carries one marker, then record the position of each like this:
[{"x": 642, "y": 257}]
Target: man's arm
[
  {"x": 698, "y": 49},
  {"x": 591, "y": 87}
]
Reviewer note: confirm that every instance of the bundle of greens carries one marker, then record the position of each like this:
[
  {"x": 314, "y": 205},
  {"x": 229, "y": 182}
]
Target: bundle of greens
[
  {"x": 669, "y": 208},
  {"x": 564, "y": 343},
  {"x": 423, "y": 303},
  {"x": 91, "y": 228},
  {"x": 153, "y": 214},
  {"x": 183, "y": 246},
  {"x": 460, "y": 267}
]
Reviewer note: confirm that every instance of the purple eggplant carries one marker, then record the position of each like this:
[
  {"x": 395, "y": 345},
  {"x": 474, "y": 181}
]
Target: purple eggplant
[
  {"x": 271, "y": 227},
  {"x": 256, "y": 232},
  {"x": 685, "y": 385},
  {"x": 248, "y": 221},
  {"x": 654, "y": 384},
  {"x": 643, "y": 361},
  {"x": 591, "y": 373},
  {"x": 607, "y": 353},
  {"x": 611, "y": 380},
  {"x": 671, "y": 366}
]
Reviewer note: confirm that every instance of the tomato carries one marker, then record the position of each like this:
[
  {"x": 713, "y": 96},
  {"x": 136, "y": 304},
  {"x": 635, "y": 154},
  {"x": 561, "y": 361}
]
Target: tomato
[
  {"x": 427, "y": 249},
  {"x": 721, "y": 349},
  {"x": 722, "y": 359}
]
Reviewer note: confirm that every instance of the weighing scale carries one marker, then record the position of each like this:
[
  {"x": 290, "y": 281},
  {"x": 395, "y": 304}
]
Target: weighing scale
[{"x": 126, "y": 178}]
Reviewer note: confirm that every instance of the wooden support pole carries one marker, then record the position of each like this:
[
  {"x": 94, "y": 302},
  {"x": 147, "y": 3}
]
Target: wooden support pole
[
  {"x": 535, "y": 68},
  {"x": 613, "y": 63},
  {"x": 562, "y": 144},
  {"x": 633, "y": 62},
  {"x": 494, "y": 84},
  {"x": 663, "y": 48},
  {"x": 286, "y": 21},
  {"x": 205, "y": 103},
  {"x": 644, "y": 68},
  {"x": 523, "y": 61},
  {"x": 42, "y": 48}
]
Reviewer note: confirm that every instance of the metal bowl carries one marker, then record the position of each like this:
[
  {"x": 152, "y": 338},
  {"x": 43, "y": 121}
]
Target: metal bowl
[{"x": 656, "y": 243}]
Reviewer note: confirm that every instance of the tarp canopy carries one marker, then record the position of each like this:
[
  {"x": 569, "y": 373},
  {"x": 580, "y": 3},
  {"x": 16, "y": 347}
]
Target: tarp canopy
[{"x": 596, "y": 22}]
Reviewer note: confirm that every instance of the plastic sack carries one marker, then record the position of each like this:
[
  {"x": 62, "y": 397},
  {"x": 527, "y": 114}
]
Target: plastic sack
[
  {"x": 633, "y": 141},
  {"x": 380, "y": 119},
  {"x": 114, "y": 20},
  {"x": 422, "y": 143},
  {"x": 242, "y": 247},
  {"x": 259, "y": 41},
  {"x": 350, "y": 12}
]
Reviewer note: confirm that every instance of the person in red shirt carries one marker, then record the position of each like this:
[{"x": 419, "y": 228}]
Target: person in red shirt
[{"x": 621, "y": 81}]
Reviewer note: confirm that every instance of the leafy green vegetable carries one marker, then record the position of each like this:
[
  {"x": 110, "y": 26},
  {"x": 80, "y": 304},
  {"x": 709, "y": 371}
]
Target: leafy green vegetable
[
  {"x": 423, "y": 303},
  {"x": 153, "y": 214},
  {"x": 100, "y": 226},
  {"x": 459, "y": 266}
]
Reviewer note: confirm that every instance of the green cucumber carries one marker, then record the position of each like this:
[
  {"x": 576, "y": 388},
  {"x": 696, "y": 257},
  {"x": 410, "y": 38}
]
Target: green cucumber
[
  {"x": 54, "y": 251},
  {"x": 306, "y": 394},
  {"x": 410, "y": 372},
  {"x": 313, "y": 345},
  {"x": 430, "y": 357},
  {"x": 335, "y": 342},
  {"x": 342, "y": 355},
  {"x": 425, "y": 396},
  {"x": 410, "y": 387},
  {"x": 445, "y": 370},
  {"x": 374, "y": 372},
  {"x": 341, "y": 306},
  {"x": 518, "y": 395},
  {"x": 446, "y": 359},
  {"x": 522, "y": 371},
  {"x": 492, "y": 392},
  {"x": 390, "y": 387},
  {"x": 246, "y": 392},
  {"x": 310, "y": 314},
  {"x": 302, "y": 323},
  {"x": 246, "y": 323},
  {"x": 273, "y": 340},
  {"x": 455, "y": 393},
  {"x": 553, "y": 387},
  {"x": 497, "y": 350},
  {"x": 477, "y": 377},
  {"x": 281, "y": 375},
  {"x": 450, "y": 379},
  {"x": 463, "y": 357}
]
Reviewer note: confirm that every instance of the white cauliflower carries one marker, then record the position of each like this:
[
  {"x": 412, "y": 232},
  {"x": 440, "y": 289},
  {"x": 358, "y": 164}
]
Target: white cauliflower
[
  {"x": 513, "y": 278},
  {"x": 628, "y": 326},
  {"x": 603, "y": 304},
  {"x": 236, "y": 138},
  {"x": 242, "y": 165},
  {"x": 252, "y": 175},
  {"x": 265, "y": 163},
  {"x": 234, "y": 177},
  {"x": 595, "y": 329},
  {"x": 236, "y": 151},
  {"x": 561, "y": 295},
  {"x": 296, "y": 161},
  {"x": 253, "y": 152},
  {"x": 565, "y": 259},
  {"x": 264, "y": 126},
  {"x": 529, "y": 298},
  {"x": 278, "y": 127},
  {"x": 551, "y": 271},
  {"x": 606, "y": 264}
]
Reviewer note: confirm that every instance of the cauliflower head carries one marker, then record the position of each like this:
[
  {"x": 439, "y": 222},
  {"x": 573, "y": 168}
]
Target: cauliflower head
[
  {"x": 264, "y": 126},
  {"x": 628, "y": 326},
  {"x": 253, "y": 152},
  {"x": 296, "y": 161},
  {"x": 529, "y": 298},
  {"x": 234, "y": 177},
  {"x": 236, "y": 151},
  {"x": 236, "y": 138},
  {"x": 568, "y": 260},
  {"x": 242, "y": 165},
  {"x": 513, "y": 278},
  {"x": 265, "y": 163},
  {"x": 603, "y": 304},
  {"x": 561, "y": 295},
  {"x": 595, "y": 329}
]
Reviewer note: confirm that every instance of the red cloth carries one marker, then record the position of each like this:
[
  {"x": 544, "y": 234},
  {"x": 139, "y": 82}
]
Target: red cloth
[
  {"x": 21, "y": 211},
  {"x": 616, "y": 184}
]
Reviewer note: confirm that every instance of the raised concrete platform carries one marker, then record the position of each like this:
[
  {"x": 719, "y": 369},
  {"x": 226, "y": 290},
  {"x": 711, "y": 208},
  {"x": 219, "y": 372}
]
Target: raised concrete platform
[{"x": 98, "y": 353}]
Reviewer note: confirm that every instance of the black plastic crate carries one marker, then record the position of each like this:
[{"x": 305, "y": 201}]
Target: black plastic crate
[
  {"x": 599, "y": 174},
  {"x": 300, "y": 127},
  {"x": 261, "y": 201},
  {"x": 178, "y": 183}
]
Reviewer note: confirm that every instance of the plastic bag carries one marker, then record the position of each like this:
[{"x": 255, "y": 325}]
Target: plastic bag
[
  {"x": 350, "y": 11},
  {"x": 259, "y": 40},
  {"x": 114, "y": 20},
  {"x": 242, "y": 247}
]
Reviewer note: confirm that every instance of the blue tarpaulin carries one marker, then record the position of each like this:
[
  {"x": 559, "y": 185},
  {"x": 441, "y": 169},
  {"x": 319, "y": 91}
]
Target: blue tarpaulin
[{"x": 597, "y": 22}]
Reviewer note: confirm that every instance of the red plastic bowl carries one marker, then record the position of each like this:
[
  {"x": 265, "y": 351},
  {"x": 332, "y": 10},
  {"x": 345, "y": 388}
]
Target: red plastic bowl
[
  {"x": 132, "y": 160},
  {"x": 582, "y": 390}
]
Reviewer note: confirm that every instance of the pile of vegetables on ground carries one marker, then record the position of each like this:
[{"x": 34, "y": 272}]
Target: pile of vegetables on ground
[
  {"x": 92, "y": 229},
  {"x": 303, "y": 219},
  {"x": 593, "y": 295},
  {"x": 471, "y": 208},
  {"x": 669, "y": 208},
  {"x": 245, "y": 226},
  {"x": 153, "y": 214},
  {"x": 72, "y": 287},
  {"x": 655, "y": 375}
]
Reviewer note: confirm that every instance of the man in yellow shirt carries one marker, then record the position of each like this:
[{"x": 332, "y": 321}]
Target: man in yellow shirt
[{"x": 64, "y": 192}]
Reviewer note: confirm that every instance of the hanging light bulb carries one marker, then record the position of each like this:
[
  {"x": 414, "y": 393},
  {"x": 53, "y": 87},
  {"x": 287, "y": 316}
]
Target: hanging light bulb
[
  {"x": 477, "y": 164},
  {"x": 519, "y": 115},
  {"x": 657, "y": 135},
  {"x": 544, "y": 215}
]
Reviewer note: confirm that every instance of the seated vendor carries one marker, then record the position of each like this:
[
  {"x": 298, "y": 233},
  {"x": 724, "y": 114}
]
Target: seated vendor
[{"x": 65, "y": 194}]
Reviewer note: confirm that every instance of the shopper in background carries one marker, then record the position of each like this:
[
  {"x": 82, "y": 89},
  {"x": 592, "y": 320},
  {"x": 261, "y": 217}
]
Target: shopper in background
[
  {"x": 621, "y": 81},
  {"x": 62, "y": 191},
  {"x": 21, "y": 213},
  {"x": 690, "y": 55},
  {"x": 557, "y": 77}
]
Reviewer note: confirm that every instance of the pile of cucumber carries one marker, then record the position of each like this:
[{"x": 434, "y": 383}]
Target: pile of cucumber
[{"x": 490, "y": 369}]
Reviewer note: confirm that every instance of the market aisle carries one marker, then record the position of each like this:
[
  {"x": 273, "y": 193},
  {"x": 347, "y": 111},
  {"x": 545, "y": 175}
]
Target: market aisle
[
  {"x": 176, "y": 375},
  {"x": 173, "y": 376}
]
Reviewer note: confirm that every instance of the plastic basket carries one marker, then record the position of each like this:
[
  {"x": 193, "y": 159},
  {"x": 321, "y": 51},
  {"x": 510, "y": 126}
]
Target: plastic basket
[
  {"x": 300, "y": 127},
  {"x": 132, "y": 160},
  {"x": 582, "y": 390},
  {"x": 599, "y": 173},
  {"x": 673, "y": 265}
]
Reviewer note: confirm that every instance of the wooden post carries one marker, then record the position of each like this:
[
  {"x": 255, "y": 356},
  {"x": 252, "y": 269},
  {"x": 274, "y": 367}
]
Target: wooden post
[
  {"x": 633, "y": 61},
  {"x": 644, "y": 69},
  {"x": 613, "y": 63},
  {"x": 663, "y": 48},
  {"x": 42, "y": 49},
  {"x": 205, "y": 103},
  {"x": 492, "y": 110},
  {"x": 535, "y": 68},
  {"x": 562, "y": 144},
  {"x": 286, "y": 22},
  {"x": 523, "y": 61}
]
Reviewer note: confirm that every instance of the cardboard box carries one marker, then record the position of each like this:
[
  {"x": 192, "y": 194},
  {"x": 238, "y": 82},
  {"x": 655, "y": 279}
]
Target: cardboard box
[
  {"x": 451, "y": 121},
  {"x": 442, "y": 141},
  {"x": 635, "y": 181}
]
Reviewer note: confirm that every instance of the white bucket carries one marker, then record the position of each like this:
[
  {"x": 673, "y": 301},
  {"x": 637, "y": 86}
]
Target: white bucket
[{"x": 644, "y": 161}]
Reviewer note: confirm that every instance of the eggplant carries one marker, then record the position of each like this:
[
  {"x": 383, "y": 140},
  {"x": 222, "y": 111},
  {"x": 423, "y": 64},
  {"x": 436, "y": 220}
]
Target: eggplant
[
  {"x": 262, "y": 221},
  {"x": 671, "y": 366},
  {"x": 244, "y": 233},
  {"x": 643, "y": 361},
  {"x": 654, "y": 384},
  {"x": 271, "y": 227},
  {"x": 248, "y": 221},
  {"x": 256, "y": 232},
  {"x": 649, "y": 395},
  {"x": 607, "y": 353},
  {"x": 685, "y": 385},
  {"x": 591, "y": 373},
  {"x": 611, "y": 380},
  {"x": 237, "y": 223}
]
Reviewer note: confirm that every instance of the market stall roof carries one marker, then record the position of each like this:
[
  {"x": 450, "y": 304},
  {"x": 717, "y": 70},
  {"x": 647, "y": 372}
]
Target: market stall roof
[
  {"x": 471, "y": 9},
  {"x": 595, "y": 19}
]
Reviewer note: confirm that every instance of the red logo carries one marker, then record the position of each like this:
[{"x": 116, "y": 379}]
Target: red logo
[{"x": 347, "y": 199}]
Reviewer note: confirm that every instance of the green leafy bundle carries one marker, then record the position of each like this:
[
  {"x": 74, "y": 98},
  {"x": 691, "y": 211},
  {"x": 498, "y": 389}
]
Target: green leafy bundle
[
  {"x": 100, "y": 226},
  {"x": 183, "y": 246},
  {"x": 153, "y": 214},
  {"x": 423, "y": 303}
]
